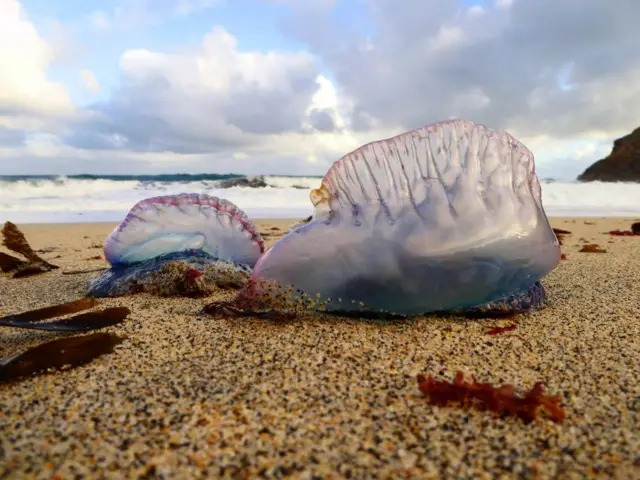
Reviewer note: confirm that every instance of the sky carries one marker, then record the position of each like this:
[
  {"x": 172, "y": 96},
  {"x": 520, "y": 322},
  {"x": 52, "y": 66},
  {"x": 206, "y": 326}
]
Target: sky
[{"x": 290, "y": 86}]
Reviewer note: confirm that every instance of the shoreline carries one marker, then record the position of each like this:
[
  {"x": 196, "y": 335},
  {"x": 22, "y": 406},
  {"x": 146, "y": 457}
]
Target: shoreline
[
  {"x": 293, "y": 219},
  {"x": 192, "y": 396}
]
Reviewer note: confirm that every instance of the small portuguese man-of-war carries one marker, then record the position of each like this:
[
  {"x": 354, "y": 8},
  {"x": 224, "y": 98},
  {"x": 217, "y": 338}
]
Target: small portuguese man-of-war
[{"x": 444, "y": 218}]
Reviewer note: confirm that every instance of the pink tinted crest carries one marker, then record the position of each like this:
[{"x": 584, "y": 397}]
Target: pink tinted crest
[{"x": 174, "y": 223}]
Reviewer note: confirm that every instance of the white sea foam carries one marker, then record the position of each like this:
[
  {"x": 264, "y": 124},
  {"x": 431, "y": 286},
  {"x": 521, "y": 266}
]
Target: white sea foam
[{"x": 92, "y": 200}]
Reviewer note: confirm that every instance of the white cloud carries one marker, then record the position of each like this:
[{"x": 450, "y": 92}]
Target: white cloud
[
  {"x": 214, "y": 99},
  {"x": 25, "y": 90},
  {"x": 558, "y": 71},
  {"x": 563, "y": 78}
]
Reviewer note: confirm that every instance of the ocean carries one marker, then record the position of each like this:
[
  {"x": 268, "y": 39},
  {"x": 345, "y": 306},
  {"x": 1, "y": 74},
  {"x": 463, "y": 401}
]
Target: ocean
[{"x": 98, "y": 198}]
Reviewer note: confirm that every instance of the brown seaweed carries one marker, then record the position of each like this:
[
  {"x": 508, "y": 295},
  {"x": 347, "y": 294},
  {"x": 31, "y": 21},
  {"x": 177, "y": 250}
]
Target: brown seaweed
[
  {"x": 624, "y": 233},
  {"x": 15, "y": 241},
  {"x": 82, "y": 322},
  {"x": 57, "y": 354},
  {"x": 9, "y": 263},
  {"x": 227, "y": 310},
  {"x": 592, "y": 248},
  {"x": 499, "y": 330},
  {"x": 53, "y": 311},
  {"x": 501, "y": 400},
  {"x": 87, "y": 270},
  {"x": 560, "y": 234}
]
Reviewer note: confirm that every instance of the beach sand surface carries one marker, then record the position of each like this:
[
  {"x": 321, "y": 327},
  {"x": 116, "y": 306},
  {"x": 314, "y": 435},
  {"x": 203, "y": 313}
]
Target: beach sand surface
[{"x": 191, "y": 396}]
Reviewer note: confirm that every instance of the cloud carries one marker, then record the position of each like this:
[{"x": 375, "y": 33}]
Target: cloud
[
  {"x": 535, "y": 67},
  {"x": 27, "y": 95},
  {"x": 211, "y": 98},
  {"x": 564, "y": 77}
]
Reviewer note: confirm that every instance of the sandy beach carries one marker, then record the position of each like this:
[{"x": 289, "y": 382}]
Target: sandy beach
[{"x": 191, "y": 396}]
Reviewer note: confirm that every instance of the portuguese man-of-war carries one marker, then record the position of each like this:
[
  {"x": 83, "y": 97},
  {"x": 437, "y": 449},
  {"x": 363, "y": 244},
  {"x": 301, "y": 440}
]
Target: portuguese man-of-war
[
  {"x": 185, "y": 244},
  {"x": 444, "y": 218},
  {"x": 447, "y": 217}
]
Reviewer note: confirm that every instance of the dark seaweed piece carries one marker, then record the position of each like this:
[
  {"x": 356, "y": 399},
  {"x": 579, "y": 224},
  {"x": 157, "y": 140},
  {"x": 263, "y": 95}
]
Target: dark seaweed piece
[
  {"x": 53, "y": 311},
  {"x": 59, "y": 353},
  {"x": 624, "y": 233},
  {"x": 88, "y": 270},
  {"x": 78, "y": 323},
  {"x": 228, "y": 310},
  {"x": 9, "y": 263},
  {"x": 502, "y": 400},
  {"x": 32, "y": 269},
  {"x": 15, "y": 241},
  {"x": 499, "y": 330},
  {"x": 560, "y": 233},
  {"x": 592, "y": 248}
]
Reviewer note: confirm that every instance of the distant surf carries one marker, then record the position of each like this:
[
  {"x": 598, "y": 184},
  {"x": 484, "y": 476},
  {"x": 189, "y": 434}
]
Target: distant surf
[{"x": 95, "y": 198}]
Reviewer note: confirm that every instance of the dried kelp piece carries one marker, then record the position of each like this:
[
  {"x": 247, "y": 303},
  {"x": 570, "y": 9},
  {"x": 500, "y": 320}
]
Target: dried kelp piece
[
  {"x": 592, "y": 248},
  {"x": 502, "y": 400},
  {"x": 53, "y": 311},
  {"x": 15, "y": 241},
  {"x": 56, "y": 354},
  {"x": 560, "y": 234},
  {"x": 78, "y": 323},
  {"x": 228, "y": 310},
  {"x": 499, "y": 330},
  {"x": 33, "y": 269},
  {"x": 9, "y": 263},
  {"x": 88, "y": 270}
]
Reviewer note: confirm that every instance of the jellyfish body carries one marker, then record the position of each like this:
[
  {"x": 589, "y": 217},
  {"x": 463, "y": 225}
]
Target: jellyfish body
[
  {"x": 442, "y": 218},
  {"x": 187, "y": 234}
]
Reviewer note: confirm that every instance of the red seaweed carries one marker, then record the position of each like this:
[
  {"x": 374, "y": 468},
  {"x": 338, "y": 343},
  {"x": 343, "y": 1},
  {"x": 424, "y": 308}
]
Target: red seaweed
[
  {"x": 499, "y": 330},
  {"x": 501, "y": 400}
]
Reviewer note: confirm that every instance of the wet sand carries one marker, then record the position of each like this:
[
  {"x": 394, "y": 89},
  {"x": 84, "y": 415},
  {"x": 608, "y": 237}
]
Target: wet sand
[{"x": 190, "y": 396}]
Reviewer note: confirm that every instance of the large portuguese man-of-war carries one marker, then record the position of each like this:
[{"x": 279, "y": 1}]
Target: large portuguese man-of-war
[{"x": 444, "y": 218}]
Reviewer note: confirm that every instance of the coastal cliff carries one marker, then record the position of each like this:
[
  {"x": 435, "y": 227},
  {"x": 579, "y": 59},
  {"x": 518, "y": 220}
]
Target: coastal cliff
[{"x": 621, "y": 165}]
